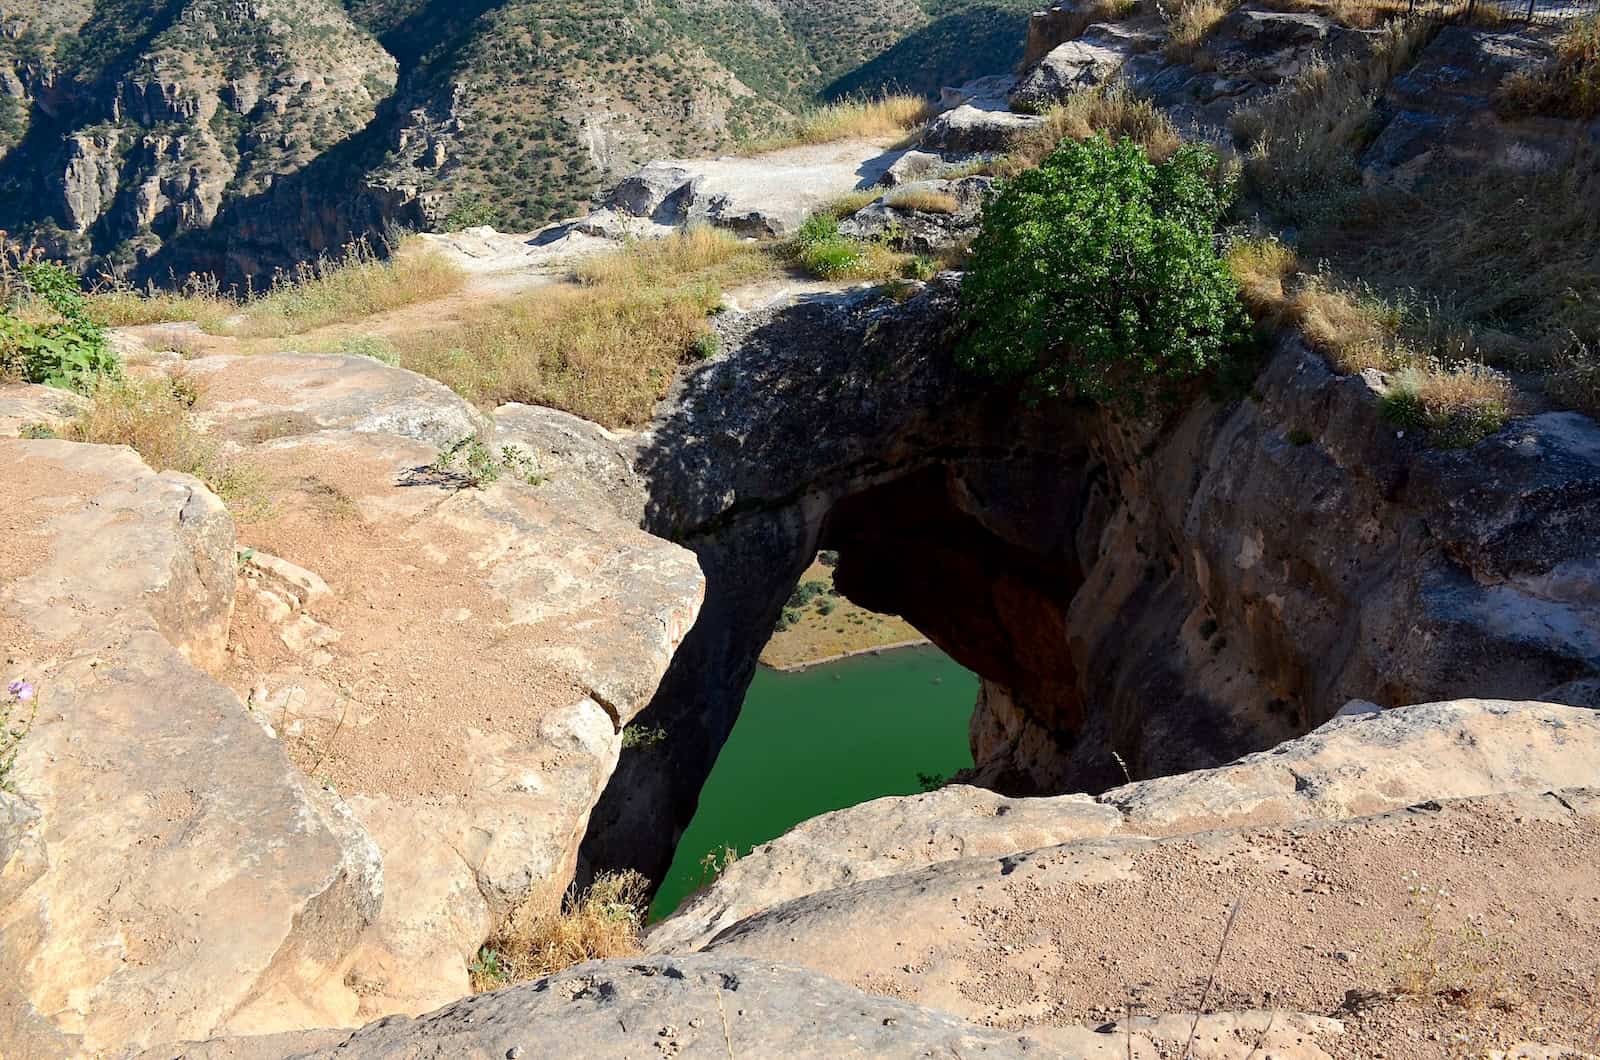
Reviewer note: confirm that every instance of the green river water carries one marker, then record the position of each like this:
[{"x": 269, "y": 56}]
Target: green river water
[{"x": 822, "y": 739}]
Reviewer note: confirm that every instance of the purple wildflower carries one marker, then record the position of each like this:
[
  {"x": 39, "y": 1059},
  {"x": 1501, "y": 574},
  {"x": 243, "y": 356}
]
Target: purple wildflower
[{"x": 22, "y": 690}]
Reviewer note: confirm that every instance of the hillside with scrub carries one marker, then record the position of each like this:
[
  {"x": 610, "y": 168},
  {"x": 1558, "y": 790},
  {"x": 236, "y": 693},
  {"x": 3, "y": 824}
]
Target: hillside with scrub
[
  {"x": 1216, "y": 388},
  {"x": 155, "y": 139}
]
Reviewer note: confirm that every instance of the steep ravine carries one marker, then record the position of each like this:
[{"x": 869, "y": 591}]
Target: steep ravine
[{"x": 1178, "y": 593}]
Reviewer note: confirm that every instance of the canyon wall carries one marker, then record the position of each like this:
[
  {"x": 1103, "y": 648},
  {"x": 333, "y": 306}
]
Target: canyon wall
[{"x": 1170, "y": 590}]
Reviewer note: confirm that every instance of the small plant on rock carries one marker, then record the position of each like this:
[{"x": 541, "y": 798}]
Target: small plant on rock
[
  {"x": 14, "y": 727},
  {"x": 642, "y": 737},
  {"x": 602, "y": 921},
  {"x": 473, "y": 464}
]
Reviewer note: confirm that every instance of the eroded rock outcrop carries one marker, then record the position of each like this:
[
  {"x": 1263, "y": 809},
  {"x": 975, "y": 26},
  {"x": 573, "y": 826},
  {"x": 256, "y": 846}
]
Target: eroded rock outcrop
[
  {"x": 365, "y": 730},
  {"x": 1168, "y": 590},
  {"x": 1347, "y": 768},
  {"x": 167, "y": 872},
  {"x": 1311, "y": 912}
]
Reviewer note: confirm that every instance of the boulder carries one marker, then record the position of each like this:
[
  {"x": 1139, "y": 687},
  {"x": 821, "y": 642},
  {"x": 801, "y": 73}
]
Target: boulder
[
  {"x": 968, "y": 129},
  {"x": 984, "y": 93},
  {"x": 913, "y": 165},
  {"x": 918, "y": 230},
  {"x": 1088, "y": 62},
  {"x": 165, "y": 871},
  {"x": 659, "y": 191}
]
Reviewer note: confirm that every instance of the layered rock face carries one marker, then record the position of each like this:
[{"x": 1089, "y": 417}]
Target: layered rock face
[
  {"x": 1167, "y": 590},
  {"x": 294, "y": 775}
]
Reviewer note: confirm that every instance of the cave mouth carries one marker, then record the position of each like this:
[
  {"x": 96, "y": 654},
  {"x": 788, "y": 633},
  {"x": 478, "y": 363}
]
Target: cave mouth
[{"x": 820, "y": 739}]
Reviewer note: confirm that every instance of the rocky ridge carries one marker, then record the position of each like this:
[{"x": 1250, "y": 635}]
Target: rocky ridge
[{"x": 382, "y": 716}]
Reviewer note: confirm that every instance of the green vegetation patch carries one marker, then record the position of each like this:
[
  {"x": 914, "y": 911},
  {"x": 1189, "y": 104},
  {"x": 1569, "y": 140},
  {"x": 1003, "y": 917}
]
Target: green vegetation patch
[{"x": 1096, "y": 275}]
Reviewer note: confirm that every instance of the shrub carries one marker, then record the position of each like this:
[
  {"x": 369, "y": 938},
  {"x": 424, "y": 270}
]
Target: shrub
[
  {"x": 602, "y": 921},
  {"x": 46, "y": 333},
  {"x": 1097, "y": 275},
  {"x": 470, "y": 212}
]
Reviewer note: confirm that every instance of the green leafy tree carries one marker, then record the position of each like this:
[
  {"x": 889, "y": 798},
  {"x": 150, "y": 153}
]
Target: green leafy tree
[{"x": 1097, "y": 276}]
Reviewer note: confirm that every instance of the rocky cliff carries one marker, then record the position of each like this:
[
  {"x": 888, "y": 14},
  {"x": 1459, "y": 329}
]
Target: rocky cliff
[
  {"x": 289, "y": 769},
  {"x": 1164, "y": 590}
]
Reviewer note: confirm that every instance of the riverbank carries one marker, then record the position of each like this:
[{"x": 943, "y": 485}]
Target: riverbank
[
  {"x": 818, "y": 625},
  {"x": 879, "y": 649}
]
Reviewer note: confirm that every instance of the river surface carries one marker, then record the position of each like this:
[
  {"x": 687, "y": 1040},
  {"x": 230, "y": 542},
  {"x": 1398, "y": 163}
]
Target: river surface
[{"x": 822, "y": 739}]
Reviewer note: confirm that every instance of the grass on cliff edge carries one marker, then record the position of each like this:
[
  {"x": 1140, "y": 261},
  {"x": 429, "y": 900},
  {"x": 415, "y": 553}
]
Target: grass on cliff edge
[
  {"x": 603, "y": 921},
  {"x": 152, "y": 416},
  {"x": 849, "y": 119},
  {"x": 603, "y": 347},
  {"x": 353, "y": 286}
]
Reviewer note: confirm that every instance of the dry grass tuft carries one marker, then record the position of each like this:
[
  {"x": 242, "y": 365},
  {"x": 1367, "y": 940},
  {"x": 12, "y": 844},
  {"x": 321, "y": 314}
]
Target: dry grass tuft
[
  {"x": 1301, "y": 141},
  {"x": 850, "y": 202},
  {"x": 1115, "y": 112},
  {"x": 926, "y": 200},
  {"x": 603, "y": 921},
  {"x": 1438, "y": 382},
  {"x": 153, "y": 417},
  {"x": 604, "y": 348},
  {"x": 850, "y": 119},
  {"x": 1567, "y": 88},
  {"x": 118, "y": 306},
  {"x": 1188, "y": 23}
]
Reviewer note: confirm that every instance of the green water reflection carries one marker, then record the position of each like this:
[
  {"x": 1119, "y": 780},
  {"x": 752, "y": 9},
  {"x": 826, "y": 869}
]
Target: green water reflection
[{"x": 823, "y": 739}]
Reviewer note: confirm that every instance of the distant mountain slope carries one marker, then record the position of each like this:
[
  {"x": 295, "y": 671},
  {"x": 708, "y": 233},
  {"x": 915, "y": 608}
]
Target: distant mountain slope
[{"x": 156, "y": 137}]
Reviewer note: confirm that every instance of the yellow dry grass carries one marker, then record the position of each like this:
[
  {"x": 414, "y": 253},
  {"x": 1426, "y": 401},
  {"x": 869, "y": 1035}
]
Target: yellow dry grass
[
  {"x": 119, "y": 307},
  {"x": 354, "y": 287},
  {"x": 1569, "y": 87},
  {"x": 1114, "y": 112},
  {"x": 1438, "y": 378},
  {"x": 927, "y": 200},
  {"x": 604, "y": 347},
  {"x": 850, "y": 119},
  {"x": 1188, "y": 23},
  {"x": 603, "y": 921},
  {"x": 152, "y": 416}
]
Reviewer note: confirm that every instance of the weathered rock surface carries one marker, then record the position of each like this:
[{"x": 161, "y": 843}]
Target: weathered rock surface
[
  {"x": 456, "y": 663},
  {"x": 1437, "y": 124},
  {"x": 698, "y": 1006},
  {"x": 969, "y": 129},
  {"x": 463, "y": 676},
  {"x": 919, "y": 230},
  {"x": 1085, "y": 62},
  {"x": 1349, "y": 767},
  {"x": 1310, "y": 912},
  {"x": 766, "y": 196},
  {"x": 250, "y": 400},
  {"x": 166, "y": 871},
  {"x": 24, "y": 405}
]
